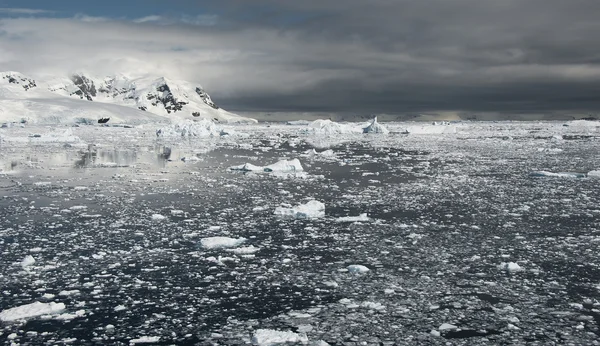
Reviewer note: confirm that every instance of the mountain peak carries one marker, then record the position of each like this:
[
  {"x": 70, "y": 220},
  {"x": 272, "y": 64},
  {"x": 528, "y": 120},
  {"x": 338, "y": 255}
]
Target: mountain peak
[{"x": 153, "y": 94}]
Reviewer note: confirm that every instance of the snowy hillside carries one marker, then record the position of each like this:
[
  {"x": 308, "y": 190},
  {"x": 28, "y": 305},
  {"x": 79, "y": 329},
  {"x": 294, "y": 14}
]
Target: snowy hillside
[{"x": 82, "y": 98}]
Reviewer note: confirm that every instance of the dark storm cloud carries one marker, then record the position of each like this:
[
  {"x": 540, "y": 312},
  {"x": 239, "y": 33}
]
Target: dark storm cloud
[
  {"x": 440, "y": 55},
  {"x": 351, "y": 56}
]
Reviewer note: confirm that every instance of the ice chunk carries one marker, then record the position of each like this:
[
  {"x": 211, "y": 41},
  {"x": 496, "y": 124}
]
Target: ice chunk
[
  {"x": 375, "y": 127},
  {"x": 357, "y": 268},
  {"x": 27, "y": 261},
  {"x": 594, "y": 174},
  {"x": 359, "y": 218},
  {"x": 145, "y": 340},
  {"x": 309, "y": 210},
  {"x": 557, "y": 175},
  {"x": 221, "y": 242},
  {"x": 280, "y": 166},
  {"x": 30, "y": 310},
  {"x": 268, "y": 337},
  {"x": 247, "y": 250},
  {"x": 158, "y": 217},
  {"x": 189, "y": 128},
  {"x": 510, "y": 267},
  {"x": 447, "y": 326},
  {"x": 328, "y": 127}
]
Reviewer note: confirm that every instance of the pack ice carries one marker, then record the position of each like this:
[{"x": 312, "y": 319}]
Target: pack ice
[
  {"x": 310, "y": 210},
  {"x": 268, "y": 337}
]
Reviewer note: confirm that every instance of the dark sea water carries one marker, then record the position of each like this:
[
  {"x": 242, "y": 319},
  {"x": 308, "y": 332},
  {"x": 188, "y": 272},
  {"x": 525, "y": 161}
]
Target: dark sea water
[{"x": 447, "y": 215}]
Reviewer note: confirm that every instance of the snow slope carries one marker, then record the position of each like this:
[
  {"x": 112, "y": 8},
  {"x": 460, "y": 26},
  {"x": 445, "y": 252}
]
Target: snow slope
[{"x": 86, "y": 99}]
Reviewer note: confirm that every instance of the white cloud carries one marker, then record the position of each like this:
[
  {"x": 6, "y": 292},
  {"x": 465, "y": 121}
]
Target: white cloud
[
  {"x": 29, "y": 11},
  {"x": 148, "y": 19}
]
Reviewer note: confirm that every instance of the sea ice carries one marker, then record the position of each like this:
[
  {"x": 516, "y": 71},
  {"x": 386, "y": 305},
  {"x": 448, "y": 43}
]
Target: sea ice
[
  {"x": 145, "y": 340},
  {"x": 594, "y": 174},
  {"x": 158, "y": 217},
  {"x": 360, "y": 218},
  {"x": 310, "y": 210},
  {"x": 221, "y": 242},
  {"x": 510, "y": 267},
  {"x": 27, "y": 261},
  {"x": 189, "y": 128},
  {"x": 357, "y": 268},
  {"x": 447, "y": 326},
  {"x": 280, "y": 166},
  {"x": 375, "y": 127},
  {"x": 30, "y": 310},
  {"x": 557, "y": 175},
  {"x": 268, "y": 337},
  {"x": 328, "y": 127}
]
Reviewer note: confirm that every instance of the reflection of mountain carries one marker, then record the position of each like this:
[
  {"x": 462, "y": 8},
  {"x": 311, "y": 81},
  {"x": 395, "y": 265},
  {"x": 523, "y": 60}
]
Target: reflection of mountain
[
  {"x": 93, "y": 157},
  {"x": 151, "y": 95}
]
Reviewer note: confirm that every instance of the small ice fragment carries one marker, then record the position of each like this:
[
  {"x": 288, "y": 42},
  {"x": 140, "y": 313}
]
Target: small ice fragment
[
  {"x": 360, "y": 218},
  {"x": 145, "y": 340},
  {"x": 221, "y": 242},
  {"x": 158, "y": 217},
  {"x": 447, "y": 326},
  {"x": 280, "y": 166},
  {"x": 357, "y": 268},
  {"x": 510, "y": 267},
  {"x": 27, "y": 261}
]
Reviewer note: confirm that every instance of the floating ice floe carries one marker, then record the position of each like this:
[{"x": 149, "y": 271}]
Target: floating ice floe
[
  {"x": 246, "y": 250},
  {"x": 270, "y": 337},
  {"x": 375, "y": 127},
  {"x": 593, "y": 174},
  {"x": 282, "y": 166},
  {"x": 221, "y": 242},
  {"x": 357, "y": 268},
  {"x": 313, "y": 154},
  {"x": 27, "y": 261},
  {"x": 447, "y": 326},
  {"x": 360, "y": 218},
  {"x": 510, "y": 267},
  {"x": 189, "y": 128},
  {"x": 31, "y": 310},
  {"x": 310, "y": 210},
  {"x": 158, "y": 217},
  {"x": 557, "y": 175},
  {"x": 145, "y": 340}
]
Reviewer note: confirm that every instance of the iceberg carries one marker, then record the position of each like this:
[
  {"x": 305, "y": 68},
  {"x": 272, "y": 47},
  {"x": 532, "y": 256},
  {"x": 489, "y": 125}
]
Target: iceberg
[
  {"x": 375, "y": 127},
  {"x": 328, "y": 127}
]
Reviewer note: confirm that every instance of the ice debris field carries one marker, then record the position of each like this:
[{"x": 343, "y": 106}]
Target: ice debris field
[{"x": 316, "y": 233}]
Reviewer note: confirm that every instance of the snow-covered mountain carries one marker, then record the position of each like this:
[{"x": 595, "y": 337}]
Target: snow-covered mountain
[{"x": 81, "y": 97}]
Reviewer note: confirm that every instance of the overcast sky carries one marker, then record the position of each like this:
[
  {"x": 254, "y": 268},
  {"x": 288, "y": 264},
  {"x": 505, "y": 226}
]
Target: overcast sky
[{"x": 351, "y": 56}]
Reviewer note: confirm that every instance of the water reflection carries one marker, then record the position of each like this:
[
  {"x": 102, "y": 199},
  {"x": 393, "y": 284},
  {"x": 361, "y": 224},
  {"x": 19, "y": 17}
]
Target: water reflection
[{"x": 94, "y": 157}]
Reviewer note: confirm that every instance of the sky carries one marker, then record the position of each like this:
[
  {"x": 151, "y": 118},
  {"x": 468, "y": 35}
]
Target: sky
[{"x": 344, "y": 57}]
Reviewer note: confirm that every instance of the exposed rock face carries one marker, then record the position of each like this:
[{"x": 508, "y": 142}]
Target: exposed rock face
[
  {"x": 86, "y": 87},
  {"x": 206, "y": 98},
  {"x": 159, "y": 96},
  {"x": 19, "y": 79}
]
